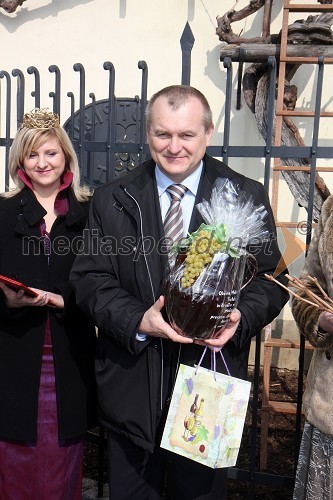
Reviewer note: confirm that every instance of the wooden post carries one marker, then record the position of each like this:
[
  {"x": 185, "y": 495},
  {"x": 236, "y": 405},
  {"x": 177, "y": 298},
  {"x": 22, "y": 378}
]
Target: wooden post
[{"x": 259, "y": 52}]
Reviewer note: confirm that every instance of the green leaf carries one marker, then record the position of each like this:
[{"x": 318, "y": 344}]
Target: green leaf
[
  {"x": 202, "y": 434},
  {"x": 221, "y": 233}
]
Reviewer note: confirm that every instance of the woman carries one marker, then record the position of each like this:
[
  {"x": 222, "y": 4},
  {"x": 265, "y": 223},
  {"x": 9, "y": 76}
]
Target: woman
[
  {"x": 314, "y": 477},
  {"x": 47, "y": 387}
]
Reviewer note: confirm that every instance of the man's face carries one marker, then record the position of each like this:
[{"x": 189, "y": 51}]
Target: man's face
[{"x": 177, "y": 138}]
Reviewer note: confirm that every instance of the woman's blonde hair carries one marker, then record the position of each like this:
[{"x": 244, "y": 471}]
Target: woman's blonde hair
[{"x": 30, "y": 139}]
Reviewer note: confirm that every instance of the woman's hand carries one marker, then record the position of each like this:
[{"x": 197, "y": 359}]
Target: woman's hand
[
  {"x": 52, "y": 299},
  {"x": 20, "y": 299},
  {"x": 326, "y": 322}
]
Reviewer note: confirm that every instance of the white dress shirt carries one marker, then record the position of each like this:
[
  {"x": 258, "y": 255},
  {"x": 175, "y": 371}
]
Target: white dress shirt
[{"x": 187, "y": 203}]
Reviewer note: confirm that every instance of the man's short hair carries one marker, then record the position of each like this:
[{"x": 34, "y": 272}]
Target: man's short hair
[{"x": 176, "y": 96}]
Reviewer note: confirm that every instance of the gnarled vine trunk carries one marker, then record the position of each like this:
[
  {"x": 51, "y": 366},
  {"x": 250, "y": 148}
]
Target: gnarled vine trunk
[{"x": 10, "y": 6}]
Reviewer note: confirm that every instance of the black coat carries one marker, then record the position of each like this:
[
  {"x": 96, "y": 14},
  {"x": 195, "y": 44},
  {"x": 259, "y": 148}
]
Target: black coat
[
  {"x": 127, "y": 281},
  {"x": 22, "y": 257}
]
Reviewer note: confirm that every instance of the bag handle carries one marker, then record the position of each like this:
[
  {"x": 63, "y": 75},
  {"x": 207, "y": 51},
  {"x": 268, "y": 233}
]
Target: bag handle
[{"x": 213, "y": 361}]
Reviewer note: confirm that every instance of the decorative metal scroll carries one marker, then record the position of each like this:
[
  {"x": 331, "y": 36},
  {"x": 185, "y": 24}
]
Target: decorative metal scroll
[{"x": 125, "y": 144}]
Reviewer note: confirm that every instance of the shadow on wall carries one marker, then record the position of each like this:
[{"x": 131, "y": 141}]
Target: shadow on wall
[
  {"x": 12, "y": 22},
  {"x": 122, "y": 8},
  {"x": 190, "y": 10}
]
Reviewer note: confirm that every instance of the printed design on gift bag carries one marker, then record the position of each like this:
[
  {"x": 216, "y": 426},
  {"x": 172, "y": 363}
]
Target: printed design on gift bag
[
  {"x": 194, "y": 430},
  {"x": 206, "y": 416}
]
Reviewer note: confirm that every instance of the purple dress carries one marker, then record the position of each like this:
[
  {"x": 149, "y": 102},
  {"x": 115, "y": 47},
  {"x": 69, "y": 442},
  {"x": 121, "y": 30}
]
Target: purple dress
[{"x": 47, "y": 469}]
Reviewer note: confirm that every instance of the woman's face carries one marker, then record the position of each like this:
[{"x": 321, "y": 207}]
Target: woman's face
[{"x": 45, "y": 165}]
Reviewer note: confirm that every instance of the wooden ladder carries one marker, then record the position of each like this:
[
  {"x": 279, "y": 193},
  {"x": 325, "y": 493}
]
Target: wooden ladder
[
  {"x": 269, "y": 406},
  {"x": 288, "y": 7}
]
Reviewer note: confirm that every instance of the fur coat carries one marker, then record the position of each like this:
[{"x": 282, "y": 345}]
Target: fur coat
[{"x": 318, "y": 396}]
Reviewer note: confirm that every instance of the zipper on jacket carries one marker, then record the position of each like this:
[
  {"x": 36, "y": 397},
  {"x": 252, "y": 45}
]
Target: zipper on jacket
[
  {"x": 152, "y": 289},
  {"x": 141, "y": 231},
  {"x": 177, "y": 368}
]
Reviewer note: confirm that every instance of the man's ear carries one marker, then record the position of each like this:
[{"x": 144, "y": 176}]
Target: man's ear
[
  {"x": 209, "y": 134},
  {"x": 147, "y": 135}
]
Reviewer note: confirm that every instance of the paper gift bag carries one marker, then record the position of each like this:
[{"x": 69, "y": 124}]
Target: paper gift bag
[{"x": 206, "y": 416}]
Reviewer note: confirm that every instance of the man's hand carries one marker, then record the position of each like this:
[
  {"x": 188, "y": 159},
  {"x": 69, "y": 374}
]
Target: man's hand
[
  {"x": 226, "y": 334},
  {"x": 154, "y": 325}
]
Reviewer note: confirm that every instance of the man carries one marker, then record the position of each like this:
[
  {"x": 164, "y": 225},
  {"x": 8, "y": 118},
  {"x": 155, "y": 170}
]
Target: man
[{"x": 119, "y": 284}]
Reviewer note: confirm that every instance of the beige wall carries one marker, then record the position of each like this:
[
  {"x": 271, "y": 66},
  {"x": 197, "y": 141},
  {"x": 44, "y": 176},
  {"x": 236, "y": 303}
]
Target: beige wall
[{"x": 64, "y": 32}]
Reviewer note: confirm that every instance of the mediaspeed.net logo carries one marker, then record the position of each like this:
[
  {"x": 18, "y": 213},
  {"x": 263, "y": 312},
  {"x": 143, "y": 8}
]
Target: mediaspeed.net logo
[{"x": 295, "y": 246}]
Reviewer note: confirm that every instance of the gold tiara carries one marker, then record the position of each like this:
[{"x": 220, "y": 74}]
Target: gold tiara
[{"x": 41, "y": 119}]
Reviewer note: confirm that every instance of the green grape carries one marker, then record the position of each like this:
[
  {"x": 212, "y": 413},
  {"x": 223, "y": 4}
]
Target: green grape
[{"x": 200, "y": 253}]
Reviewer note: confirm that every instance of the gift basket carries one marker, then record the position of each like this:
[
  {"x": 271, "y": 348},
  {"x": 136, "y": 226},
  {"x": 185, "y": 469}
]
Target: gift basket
[{"x": 210, "y": 267}]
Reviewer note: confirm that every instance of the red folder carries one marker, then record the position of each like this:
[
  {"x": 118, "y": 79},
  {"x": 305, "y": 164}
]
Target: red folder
[{"x": 16, "y": 285}]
